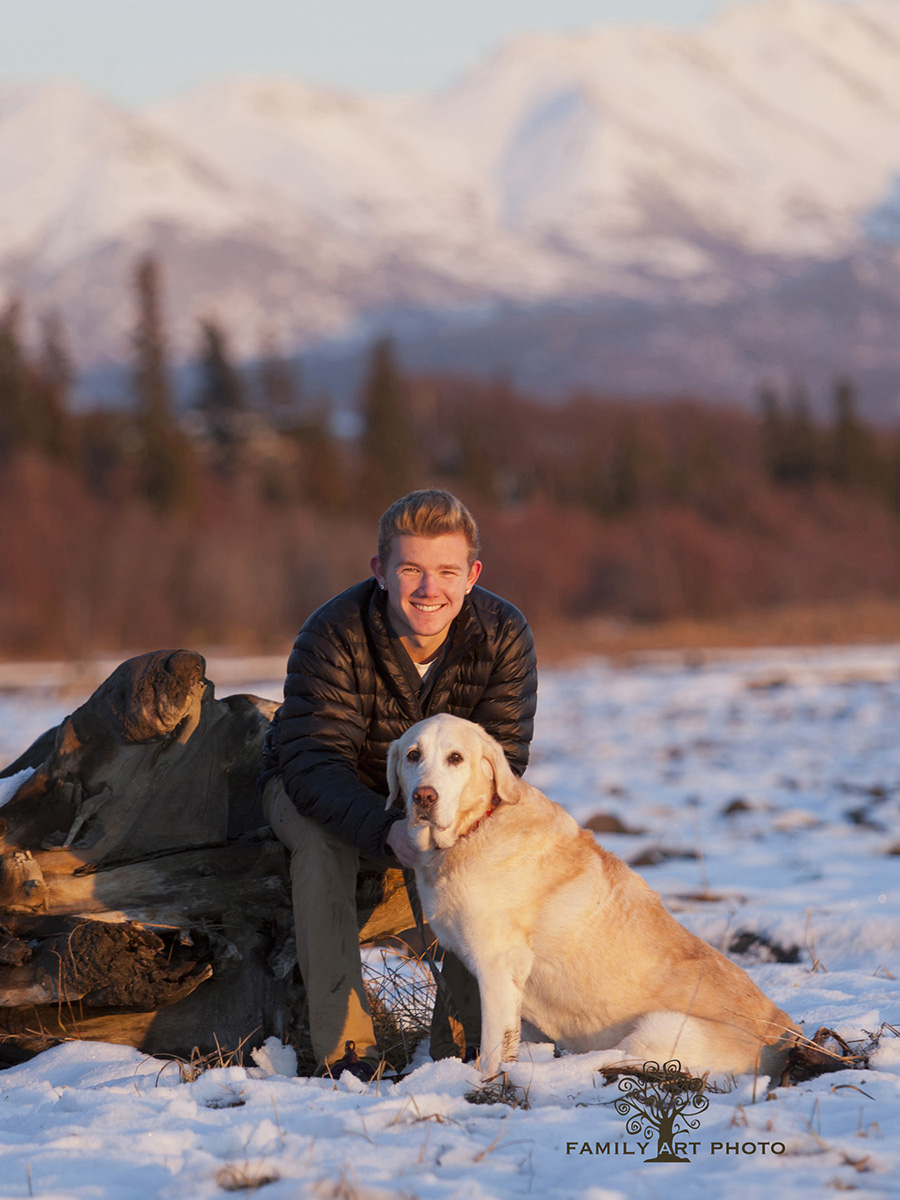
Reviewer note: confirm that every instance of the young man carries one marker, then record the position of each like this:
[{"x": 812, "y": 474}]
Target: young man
[{"x": 418, "y": 638}]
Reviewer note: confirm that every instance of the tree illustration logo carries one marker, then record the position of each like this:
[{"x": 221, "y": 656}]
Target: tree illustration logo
[{"x": 660, "y": 1099}]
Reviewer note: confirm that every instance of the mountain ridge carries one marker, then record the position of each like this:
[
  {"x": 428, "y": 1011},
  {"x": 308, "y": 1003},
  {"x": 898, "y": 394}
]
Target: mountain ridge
[{"x": 631, "y": 164}]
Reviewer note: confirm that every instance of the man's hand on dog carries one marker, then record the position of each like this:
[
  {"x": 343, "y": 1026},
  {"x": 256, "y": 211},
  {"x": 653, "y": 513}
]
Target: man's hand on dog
[{"x": 402, "y": 845}]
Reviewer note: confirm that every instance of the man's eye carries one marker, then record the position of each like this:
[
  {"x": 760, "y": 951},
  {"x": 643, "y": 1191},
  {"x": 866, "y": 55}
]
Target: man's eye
[
  {"x": 455, "y": 758},
  {"x": 413, "y": 755}
]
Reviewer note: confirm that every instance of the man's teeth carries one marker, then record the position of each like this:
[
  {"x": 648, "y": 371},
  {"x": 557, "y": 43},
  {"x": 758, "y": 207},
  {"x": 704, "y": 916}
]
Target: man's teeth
[{"x": 427, "y": 607}]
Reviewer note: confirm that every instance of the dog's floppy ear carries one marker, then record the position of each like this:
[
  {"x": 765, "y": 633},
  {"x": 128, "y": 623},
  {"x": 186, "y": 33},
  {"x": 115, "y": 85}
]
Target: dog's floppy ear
[
  {"x": 393, "y": 774},
  {"x": 494, "y": 764}
]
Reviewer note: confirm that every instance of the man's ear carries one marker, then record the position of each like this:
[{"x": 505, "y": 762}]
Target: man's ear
[
  {"x": 494, "y": 764},
  {"x": 393, "y": 775}
]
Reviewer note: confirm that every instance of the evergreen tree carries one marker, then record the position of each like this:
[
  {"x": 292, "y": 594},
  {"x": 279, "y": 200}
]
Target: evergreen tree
[
  {"x": 33, "y": 394},
  {"x": 16, "y": 419},
  {"x": 387, "y": 428},
  {"x": 791, "y": 448},
  {"x": 625, "y": 468},
  {"x": 773, "y": 434},
  {"x": 853, "y": 459},
  {"x": 891, "y": 490},
  {"x": 53, "y": 382},
  {"x": 221, "y": 399},
  {"x": 279, "y": 391},
  {"x": 165, "y": 471},
  {"x": 804, "y": 459}
]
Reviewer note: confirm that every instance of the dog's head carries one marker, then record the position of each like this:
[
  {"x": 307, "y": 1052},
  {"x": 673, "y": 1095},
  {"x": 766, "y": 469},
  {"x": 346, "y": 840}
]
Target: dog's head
[{"x": 448, "y": 772}]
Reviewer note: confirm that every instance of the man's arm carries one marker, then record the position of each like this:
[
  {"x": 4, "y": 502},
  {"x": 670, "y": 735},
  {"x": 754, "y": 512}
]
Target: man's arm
[
  {"x": 507, "y": 706},
  {"x": 323, "y": 729}
]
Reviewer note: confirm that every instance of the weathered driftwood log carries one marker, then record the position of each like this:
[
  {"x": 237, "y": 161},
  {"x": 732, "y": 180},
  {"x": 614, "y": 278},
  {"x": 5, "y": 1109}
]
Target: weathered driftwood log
[
  {"x": 97, "y": 964},
  {"x": 125, "y": 912},
  {"x": 141, "y": 901},
  {"x": 143, "y": 766}
]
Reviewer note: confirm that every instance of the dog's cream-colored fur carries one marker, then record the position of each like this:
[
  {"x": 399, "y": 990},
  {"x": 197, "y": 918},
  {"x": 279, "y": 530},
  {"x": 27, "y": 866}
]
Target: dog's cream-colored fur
[{"x": 560, "y": 932}]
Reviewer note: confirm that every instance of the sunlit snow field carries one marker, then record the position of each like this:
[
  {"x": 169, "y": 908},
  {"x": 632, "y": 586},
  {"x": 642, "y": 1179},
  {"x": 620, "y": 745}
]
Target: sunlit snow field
[{"x": 763, "y": 792}]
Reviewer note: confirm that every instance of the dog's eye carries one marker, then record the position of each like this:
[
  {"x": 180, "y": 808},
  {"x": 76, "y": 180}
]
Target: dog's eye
[
  {"x": 413, "y": 755},
  {"x": 455, "y": 758}
]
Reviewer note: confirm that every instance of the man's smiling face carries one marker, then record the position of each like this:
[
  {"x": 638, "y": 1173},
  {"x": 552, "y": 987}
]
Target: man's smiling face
[{"x": 426, "y": 579}]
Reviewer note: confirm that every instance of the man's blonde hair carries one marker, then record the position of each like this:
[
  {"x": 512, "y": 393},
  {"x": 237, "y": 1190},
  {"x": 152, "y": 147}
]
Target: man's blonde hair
[{"x": 430, "y": 512}]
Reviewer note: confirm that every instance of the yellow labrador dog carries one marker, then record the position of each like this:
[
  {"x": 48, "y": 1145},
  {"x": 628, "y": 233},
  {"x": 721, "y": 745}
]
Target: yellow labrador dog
[{"x": 559, "y": 931}]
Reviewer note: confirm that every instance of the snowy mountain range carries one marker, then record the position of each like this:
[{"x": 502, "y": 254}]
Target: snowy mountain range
[{"x": 678, "y": 208}]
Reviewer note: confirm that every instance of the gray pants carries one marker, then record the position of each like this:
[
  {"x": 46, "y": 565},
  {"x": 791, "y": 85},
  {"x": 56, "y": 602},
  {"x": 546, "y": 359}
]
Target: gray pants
[{"x": 323, "y": 891}]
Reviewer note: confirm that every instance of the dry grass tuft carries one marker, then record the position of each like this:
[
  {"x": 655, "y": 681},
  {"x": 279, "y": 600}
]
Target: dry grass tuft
[
  {"x": 192, "y": 1068},
  {"x": 347, "y": 1187},
  {"x": 499, "y": 1090},
  {"x": 233, "y": 1178},
  {"x": 401, "y": 996}
]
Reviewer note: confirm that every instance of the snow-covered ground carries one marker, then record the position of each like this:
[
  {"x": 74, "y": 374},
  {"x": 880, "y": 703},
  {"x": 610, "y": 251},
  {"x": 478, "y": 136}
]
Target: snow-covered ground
[{"x": 766, "y": 789}]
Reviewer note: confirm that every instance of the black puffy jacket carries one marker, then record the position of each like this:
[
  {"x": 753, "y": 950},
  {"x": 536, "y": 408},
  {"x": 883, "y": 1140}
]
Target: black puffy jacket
[{"x": 351, "y": 689}]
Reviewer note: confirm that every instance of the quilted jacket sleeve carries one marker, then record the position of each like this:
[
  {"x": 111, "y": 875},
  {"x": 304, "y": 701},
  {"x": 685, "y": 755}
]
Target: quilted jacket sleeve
[
  {"x": 323, "y": 729},
  {"x": 506, "y": 708}
]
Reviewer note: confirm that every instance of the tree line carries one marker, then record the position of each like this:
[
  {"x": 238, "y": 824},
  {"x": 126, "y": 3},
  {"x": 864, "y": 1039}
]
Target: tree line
[{"x": 226, "y": 519}]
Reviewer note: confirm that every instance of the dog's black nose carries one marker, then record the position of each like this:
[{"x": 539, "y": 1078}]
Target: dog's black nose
[{"x": 425, "y": 796}]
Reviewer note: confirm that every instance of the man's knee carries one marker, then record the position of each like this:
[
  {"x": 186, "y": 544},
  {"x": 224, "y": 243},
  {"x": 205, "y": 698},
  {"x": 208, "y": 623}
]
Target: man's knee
[{"x": 312, "y": 847}]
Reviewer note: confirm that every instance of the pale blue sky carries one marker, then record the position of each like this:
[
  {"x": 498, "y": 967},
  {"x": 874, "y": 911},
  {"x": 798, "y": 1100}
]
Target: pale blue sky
[{"x": 144, "y": 50}]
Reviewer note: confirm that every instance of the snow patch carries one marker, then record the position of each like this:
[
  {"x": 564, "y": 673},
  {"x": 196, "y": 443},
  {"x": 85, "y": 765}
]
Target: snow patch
[
  {"x": 274, "y": 1058},
  {"x": 12, "y": 783},
  {"x": 90, "y": 1121}
]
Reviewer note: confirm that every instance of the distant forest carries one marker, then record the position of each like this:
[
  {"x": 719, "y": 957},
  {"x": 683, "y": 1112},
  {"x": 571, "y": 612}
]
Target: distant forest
[{"x": 225, "y": 525}]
